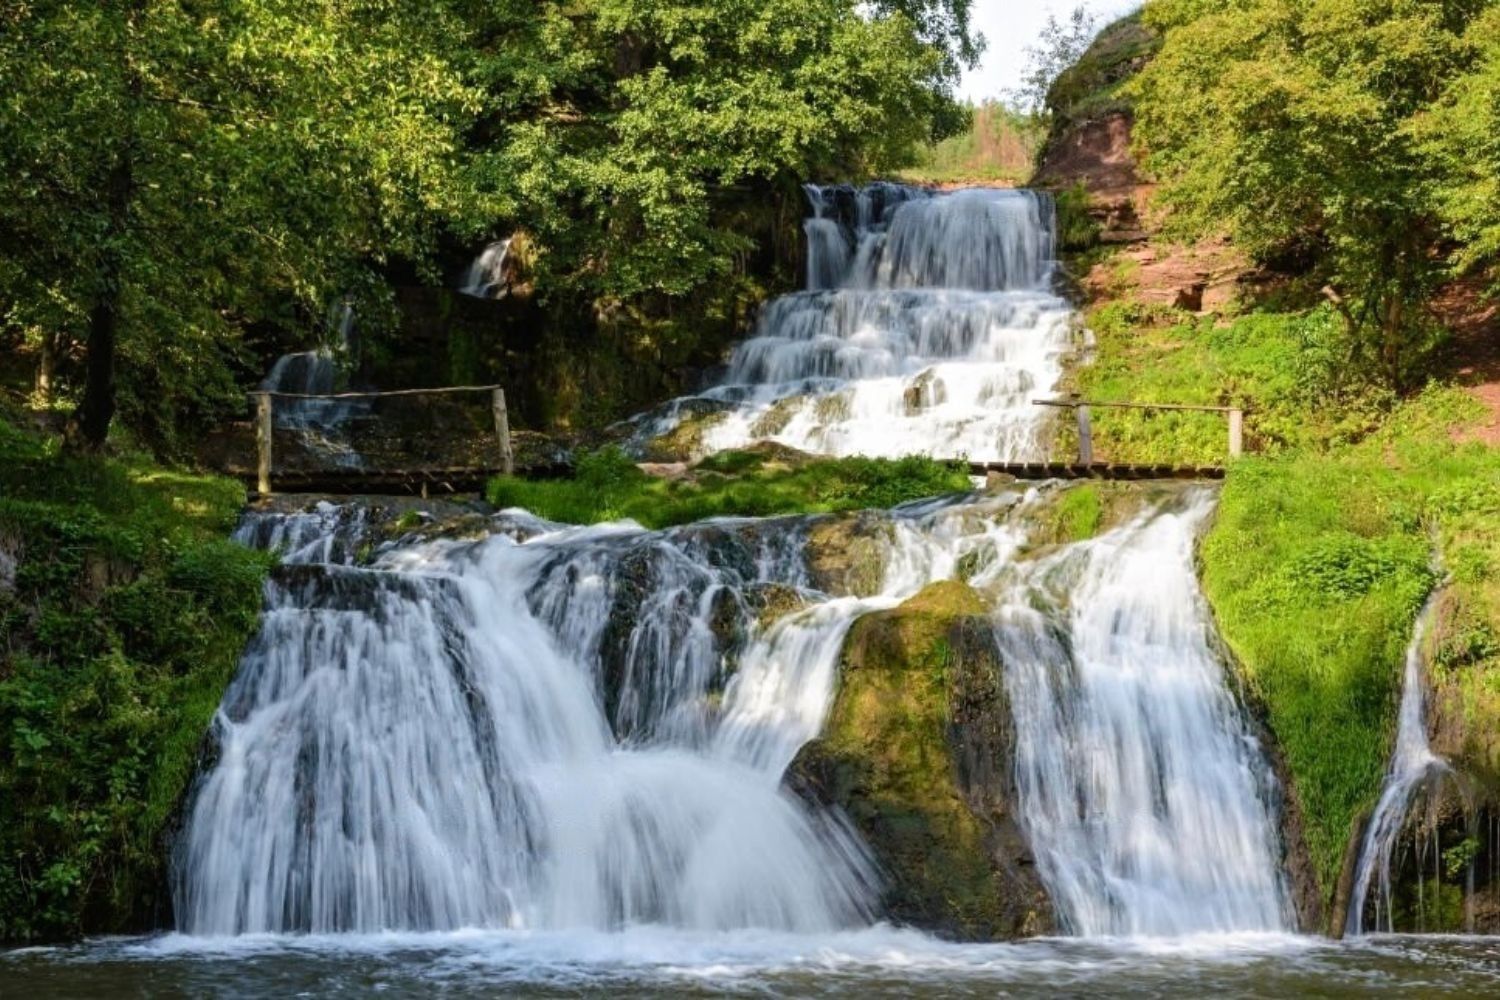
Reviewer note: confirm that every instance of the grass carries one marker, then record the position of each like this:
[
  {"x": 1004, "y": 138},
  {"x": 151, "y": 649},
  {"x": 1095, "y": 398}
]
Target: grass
[
  {"x": 119, "y": 629},
  {"x": 1286, "y": 369},
  {"x": 1322, "y": 550},
  {"x": 607, "y": 486}
]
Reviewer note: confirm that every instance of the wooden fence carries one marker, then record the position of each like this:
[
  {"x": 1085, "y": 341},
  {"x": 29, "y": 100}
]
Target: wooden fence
[
  {"x": 1082, "y": 407},
  {"x": 265, "y": 422}
]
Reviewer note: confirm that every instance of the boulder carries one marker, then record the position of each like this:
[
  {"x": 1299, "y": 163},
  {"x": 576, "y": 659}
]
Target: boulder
[{"x": 918, "y": 753}]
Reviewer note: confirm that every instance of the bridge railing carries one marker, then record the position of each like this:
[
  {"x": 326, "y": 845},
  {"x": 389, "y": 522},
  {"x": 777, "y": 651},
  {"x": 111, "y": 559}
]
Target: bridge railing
[
  {"x": 265, "y": 402},
  {"x": 1081, "y": 408}
]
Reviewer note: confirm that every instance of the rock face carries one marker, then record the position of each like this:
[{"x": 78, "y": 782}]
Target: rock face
[
  {"x": 846, "y": 555},
  {"x": 917, "y": 752}
]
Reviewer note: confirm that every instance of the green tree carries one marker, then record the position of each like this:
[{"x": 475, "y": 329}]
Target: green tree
[
  {"x": 174, "y": 173},
  {"x": 615, "y": 127},
  {"x": 1289, "y": 123},
  {"x": 1461, "y": 133}
]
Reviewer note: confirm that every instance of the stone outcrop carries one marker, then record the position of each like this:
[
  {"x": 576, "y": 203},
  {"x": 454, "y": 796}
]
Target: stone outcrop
[{"x": 918, "y": 753}]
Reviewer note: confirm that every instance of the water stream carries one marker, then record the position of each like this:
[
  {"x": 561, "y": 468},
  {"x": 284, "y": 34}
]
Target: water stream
[{"x": 1414, "y": 769}]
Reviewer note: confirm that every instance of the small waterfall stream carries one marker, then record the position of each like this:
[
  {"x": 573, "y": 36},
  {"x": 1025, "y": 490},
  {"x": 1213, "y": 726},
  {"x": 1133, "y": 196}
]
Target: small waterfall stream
[
  {"x": 557, "y": 727},
  {"x": 1413, "y": 769},
  {"x": 1142, "y": 789}
]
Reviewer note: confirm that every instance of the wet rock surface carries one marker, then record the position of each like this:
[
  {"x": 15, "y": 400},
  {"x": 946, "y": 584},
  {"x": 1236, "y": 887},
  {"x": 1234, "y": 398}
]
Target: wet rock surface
[{"x": 918, "y": 753}]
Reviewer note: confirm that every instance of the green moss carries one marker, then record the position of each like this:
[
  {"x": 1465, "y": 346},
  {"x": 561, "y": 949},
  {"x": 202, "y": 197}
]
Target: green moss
[
  {"x": 608, "y": 486},
  {"x": 915, "y": 680},
  {"x": 124, "y": 620},
  {"x": 1080, "y": 513}
]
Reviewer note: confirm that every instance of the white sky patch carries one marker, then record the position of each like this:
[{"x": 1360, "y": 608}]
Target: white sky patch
[{"x": 1010, "y": 26}]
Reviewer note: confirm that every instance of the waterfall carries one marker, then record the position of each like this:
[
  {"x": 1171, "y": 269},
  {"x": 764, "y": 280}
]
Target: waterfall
[
  {"x": 1144, "y": 795},
  {"x": 1413, "y": 768},
  {"x": 563, "y": 727},
  {"x": 551, "y": 728},
  {"x": 318, "y": 423},
  {"x": 928, "y": 327},
  {"x": 486, "y": 277}
]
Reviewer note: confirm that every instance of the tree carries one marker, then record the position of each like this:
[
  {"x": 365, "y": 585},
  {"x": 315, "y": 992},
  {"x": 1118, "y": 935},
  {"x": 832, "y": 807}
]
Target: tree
[
  {"x": 172, "y": 173},
  {"x": 613, "y": 127},
  {"x": 1060, "y": 46},
  {"x": 1290, "y": 125},
  {"x": 1461, "y": 135}
]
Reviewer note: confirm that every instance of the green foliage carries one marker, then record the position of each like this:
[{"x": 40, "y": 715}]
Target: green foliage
[
  {"x": 607, "y": 486},
  {"x": 1286, "y": 370},
  {"x": 189, "y": 173},
  {"x": 188, "y": 187},
  {"x": 1080, "y": 513},
  {"x": 1460, "y": 134},
  {"x": 1299, "y": 129},
  {"x": 620, "y": 123},
  {"x": 1077, "y": 230},
  {"x": 126, "y": 617},
  {"x": 1316, "y": 567}
]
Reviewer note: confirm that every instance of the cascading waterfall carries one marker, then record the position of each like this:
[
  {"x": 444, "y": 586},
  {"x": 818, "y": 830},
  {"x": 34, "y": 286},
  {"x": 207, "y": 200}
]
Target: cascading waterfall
[
  {"x": 562, "y": 727},
  {"x": 928, "y": 327},
  {"x": 1413, "y": 769},
  {"x": 1143, "y": 792},
  {"x": 318, "y": 422},
  {"x": 535, "y": 730},
  {"x": 487, "y": 277}
]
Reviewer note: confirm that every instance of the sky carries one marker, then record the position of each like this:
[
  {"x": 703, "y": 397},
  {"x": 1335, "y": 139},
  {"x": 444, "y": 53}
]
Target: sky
[{"x": 1010, "y": 26}]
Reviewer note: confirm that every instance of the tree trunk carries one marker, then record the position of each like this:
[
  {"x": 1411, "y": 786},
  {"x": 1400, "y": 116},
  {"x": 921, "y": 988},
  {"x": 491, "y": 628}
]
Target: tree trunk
[
  {"x": 90, "y": 424},
  {"x": 46, "y": 370},
  {"x": 1391, "y": 340}
]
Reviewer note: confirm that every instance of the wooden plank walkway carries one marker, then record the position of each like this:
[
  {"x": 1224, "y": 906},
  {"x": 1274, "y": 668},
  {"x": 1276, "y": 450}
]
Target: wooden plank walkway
[
  {"x": 1097, "y": 470},
  {"x": 472, "y": 479}
]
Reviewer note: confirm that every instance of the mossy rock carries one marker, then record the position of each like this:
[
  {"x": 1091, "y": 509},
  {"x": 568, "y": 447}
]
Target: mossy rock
[
  {"x": 683, "y": 443},
  {"x": 1080, "y": 511},
  {"x": 777, "y": 416},
  {"x": 847, "y": 555},
  {"x": 918, "y": 752}
]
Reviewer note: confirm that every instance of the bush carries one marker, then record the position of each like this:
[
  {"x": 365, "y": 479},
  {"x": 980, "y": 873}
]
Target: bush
[{"x": 127, "y": 617}]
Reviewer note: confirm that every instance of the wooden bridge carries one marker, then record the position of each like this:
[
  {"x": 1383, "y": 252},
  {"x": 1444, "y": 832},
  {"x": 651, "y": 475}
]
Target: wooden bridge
[
  {"x": 419, "y": 479},
  {"x": 469, "y": 478}
]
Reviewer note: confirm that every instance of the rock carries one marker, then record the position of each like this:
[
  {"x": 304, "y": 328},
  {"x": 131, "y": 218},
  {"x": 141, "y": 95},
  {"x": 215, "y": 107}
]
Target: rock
[
  {"x": 1190, "y": 297},
  {"x": 918, "y": 751},
  {"x": 683, "y": 443},
  {"x": 998, "y": 480},
  {"x": 924, "y": 392},
  {"x": 847, "y": 554}
]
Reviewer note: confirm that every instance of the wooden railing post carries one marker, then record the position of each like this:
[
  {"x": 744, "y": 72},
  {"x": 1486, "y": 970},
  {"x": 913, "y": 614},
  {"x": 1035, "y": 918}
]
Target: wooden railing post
[
  {"x": 1085, "y": 436},
  {"x": 1236, "y": 432},
  {"x": 502, "y": 432},
  {"x": 263, "y": 430}
]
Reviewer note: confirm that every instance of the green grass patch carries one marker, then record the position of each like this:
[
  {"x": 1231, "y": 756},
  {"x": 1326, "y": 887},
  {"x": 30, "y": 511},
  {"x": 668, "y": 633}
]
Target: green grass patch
[
  {"x": 1080, "y": 513},
  {"x": 607, "y": 486},
  {"x": 1287, "y": 370},
  {"x": 122, "y": 615}
]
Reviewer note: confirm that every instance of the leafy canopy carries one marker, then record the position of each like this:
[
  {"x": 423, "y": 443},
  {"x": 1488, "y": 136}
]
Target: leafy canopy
[{"x": 1298, "y": 125}]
